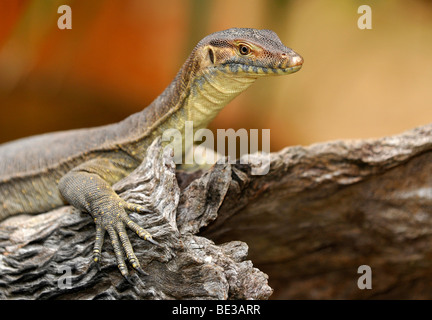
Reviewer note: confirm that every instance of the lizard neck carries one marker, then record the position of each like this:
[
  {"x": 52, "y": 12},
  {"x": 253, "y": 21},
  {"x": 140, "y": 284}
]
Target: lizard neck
[
  {"x": 210, "y": 92},
  {"x": 191, "y": 96}
]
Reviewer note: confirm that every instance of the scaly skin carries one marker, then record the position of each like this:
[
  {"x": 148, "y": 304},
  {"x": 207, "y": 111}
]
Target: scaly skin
[{"x": 79, "y": 167}]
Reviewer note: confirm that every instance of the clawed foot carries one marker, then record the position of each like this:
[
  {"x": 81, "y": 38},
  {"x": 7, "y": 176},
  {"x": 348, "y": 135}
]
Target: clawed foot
[{"x": 113, "y": 221}]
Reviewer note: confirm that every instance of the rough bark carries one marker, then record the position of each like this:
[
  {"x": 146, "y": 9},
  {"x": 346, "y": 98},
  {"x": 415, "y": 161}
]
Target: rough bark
[
  {"x": 38, "y": 253},
  {"x": 324, "y": 210},
  {"x": 310, "y": 222}
]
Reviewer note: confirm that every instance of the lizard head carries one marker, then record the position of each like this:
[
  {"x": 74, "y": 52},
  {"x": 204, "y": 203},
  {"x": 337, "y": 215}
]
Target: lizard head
[
  {"x": 247, "y": 52},
  {"x": 223, "y": 65}
]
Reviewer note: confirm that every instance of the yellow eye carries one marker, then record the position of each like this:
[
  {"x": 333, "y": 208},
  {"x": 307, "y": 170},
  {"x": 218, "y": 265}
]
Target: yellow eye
[{"x": 244, "y": 50}]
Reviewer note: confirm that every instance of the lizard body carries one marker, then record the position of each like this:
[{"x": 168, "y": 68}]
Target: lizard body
[{"x": 78, "y": 167}]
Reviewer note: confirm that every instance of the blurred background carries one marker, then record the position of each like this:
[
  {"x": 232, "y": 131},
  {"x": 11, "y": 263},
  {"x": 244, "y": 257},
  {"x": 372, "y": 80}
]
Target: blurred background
[{"x": 121, "y": 54}]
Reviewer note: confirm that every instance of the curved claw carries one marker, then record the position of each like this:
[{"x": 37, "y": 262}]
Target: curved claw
[
  {"x": 153, "y": 242},
  {"x": 141, "y": 271},
  {"x": 97, "y": 263},
  {"x": 129, "y": 279}
]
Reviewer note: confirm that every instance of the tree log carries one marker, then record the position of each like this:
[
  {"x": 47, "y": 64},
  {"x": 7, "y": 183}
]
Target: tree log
[
  {"x": 48, "y": 256},
  {"x": 324, "y": 210},
  {"x": 309, "y": 223}
]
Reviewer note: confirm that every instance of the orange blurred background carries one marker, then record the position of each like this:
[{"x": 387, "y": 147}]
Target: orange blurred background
[{"x": 121, "y": 54}]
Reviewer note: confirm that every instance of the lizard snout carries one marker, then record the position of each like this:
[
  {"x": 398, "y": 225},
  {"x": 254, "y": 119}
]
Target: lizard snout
[
  {"x": 291, "y": 59},
  {"x": 295, "y": 61}
]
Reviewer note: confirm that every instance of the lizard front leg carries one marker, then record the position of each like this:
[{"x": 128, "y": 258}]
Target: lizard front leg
[{"x": 88, "y": 188}]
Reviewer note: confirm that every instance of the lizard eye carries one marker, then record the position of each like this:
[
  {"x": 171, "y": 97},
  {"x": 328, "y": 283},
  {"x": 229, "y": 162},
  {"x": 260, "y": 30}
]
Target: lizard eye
[{"x": 244, "y": 50}]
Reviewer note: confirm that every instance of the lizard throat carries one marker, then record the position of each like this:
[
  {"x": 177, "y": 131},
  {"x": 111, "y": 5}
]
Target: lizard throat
[{"x": 211, "y": 92}]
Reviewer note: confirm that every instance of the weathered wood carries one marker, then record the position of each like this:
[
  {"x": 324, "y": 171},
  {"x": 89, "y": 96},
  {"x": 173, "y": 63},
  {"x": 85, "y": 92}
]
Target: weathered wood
[
  {"x": 320, "y": 213},
  {"x": 36, "y": 250},
  {"x": 324, "y": 210}
]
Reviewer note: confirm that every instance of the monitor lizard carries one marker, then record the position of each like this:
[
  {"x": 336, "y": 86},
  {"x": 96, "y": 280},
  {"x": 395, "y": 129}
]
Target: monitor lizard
[{"x": 78, "y": 167}]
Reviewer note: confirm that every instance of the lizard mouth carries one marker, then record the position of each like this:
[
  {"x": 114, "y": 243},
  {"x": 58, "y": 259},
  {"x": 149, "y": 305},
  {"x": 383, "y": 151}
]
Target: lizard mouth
[
  {"x": 238, "y": 68},
  {"x": 291, "y": 69}
]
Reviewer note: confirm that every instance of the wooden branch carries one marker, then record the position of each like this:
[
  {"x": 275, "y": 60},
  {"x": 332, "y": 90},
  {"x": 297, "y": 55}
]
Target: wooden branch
[
  {"x": 324, "y": 210},
  {"x": 40, "y": 253},
  {"x": 320, "y": 213}
]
